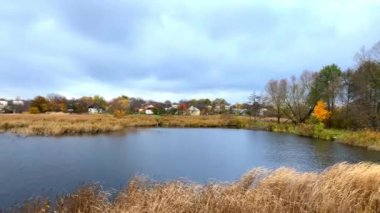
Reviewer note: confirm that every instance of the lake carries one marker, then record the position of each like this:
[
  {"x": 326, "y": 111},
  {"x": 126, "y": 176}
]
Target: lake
[{"x": 31, "y": 166}]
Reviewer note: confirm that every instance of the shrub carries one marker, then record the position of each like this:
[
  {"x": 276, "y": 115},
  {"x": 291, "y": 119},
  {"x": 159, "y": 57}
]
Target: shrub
[{"x": 34, "y": 110}]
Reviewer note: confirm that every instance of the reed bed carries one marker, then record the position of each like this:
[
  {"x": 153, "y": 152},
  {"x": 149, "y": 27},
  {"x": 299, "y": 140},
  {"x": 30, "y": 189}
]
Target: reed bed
[
  {"x": 364, "y": 138},
  {"x": 71, "y": 124},
  {"x": 342, "y": 188}
]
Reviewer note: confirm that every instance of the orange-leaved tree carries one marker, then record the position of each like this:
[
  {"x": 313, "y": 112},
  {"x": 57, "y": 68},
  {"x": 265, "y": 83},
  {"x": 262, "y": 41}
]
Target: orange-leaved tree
[{"x": 320, "y": 111}]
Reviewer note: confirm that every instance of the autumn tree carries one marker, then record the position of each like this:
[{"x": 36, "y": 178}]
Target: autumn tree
[
  {"x": 320, "y": 111},
  {"x": 39, "y": 105},
  {"x": 100, "y": 101},
  {"x": 57, "y": 103},
  {"x": 81, "y": 105},
  {"x": 119, "y": 106}
]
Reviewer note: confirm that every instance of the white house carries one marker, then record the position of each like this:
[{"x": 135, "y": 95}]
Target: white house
[
  {"x": 18, "y": 102},
  {"x": 194, "y": 111},
  {"x": 95, "y": 109},
  {"x": 263, "y": 111},
  {"x": 149, "y": 109},
  {"x": 3, "y": 104}
]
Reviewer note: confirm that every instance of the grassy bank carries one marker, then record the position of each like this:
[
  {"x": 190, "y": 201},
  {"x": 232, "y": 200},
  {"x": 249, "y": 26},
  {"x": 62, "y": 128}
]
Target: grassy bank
[
  {"x": 65, "y": 124},
  {"x": 364, "y": 138},
  {"x": 341, "y": 188}
]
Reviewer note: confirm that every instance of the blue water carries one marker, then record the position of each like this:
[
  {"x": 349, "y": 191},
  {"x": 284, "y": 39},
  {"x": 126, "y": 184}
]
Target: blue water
[{"x": 32, "y": 166}]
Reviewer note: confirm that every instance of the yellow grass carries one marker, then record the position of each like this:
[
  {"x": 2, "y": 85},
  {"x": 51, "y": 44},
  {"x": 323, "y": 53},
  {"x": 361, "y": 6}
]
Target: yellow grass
[
  {"x": 365, "y": 138},
  {"x": 342, "y": 188},
  {"x": 66, "y": 124}
]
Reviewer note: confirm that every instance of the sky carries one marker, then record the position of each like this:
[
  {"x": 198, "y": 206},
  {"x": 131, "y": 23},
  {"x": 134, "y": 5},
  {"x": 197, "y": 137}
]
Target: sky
[{"x": 173, "y": 50}]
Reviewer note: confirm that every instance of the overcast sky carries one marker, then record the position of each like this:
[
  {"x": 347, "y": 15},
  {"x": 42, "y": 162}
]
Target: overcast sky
[{"x": 171, "y": 49}]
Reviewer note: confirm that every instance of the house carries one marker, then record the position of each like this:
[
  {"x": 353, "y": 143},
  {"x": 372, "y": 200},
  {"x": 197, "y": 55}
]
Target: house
[
  {"x": 95, "y": 109},
  {"x": 263, "y": 111},
  {"x": 3, "y": 104},
  {"x": 175, "y": 106},
  {"x": 17, "y": 106},
  {"x": 149, "y": 109},
  {"x": 194, "y": 111}
]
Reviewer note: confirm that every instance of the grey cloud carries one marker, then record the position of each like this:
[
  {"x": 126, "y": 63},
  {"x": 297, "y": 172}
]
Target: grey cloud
[
  {"x": 170, "y": 46},
  {"x": 106, "y": 21}
]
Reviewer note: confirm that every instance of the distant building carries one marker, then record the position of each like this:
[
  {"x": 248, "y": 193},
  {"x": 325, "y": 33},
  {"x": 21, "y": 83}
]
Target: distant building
[
  {"x": 3, "y": 104},
  {"x": 194, "y": 111},
  {"x": 95, "y": 109},
  {"x": 175, "y": 106},
  {"x": 149, "y": 109},
  {"x": 17, "y": 106},
  {"x": 263, "y": 111}
]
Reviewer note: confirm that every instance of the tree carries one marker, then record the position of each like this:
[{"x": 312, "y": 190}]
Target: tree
[
  {"x": 57, "y": 103},
  {"x": 119, "y": 106},
  {"x": 276, "y": 91},
  {"x": 100, "y": 101},
  {"x": 255, "y": 105},
  {"x": 39, "y": 105},
  {"x": 81, "y": 105},
  {"x": 219, "y": 105},
  {"x": 320, "y": 112},
  {"x": 298, "y": 105},
  {"x": 328, "y": 85}
]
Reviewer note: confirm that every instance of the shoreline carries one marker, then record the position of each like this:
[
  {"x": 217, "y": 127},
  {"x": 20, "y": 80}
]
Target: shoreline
[{"x": 84, "y": 124}]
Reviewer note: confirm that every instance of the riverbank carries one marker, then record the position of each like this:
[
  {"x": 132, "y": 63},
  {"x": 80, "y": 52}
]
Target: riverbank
[
  {"x": 70, "y": 124},
  {"x": 340, "y": 188},
  {"x": 363, "y": 138}
]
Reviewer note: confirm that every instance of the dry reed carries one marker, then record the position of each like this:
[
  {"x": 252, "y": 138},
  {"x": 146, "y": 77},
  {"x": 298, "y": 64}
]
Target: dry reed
[
  {"x": 72, "y": 124},
  {"x": 341, "y": 188}
]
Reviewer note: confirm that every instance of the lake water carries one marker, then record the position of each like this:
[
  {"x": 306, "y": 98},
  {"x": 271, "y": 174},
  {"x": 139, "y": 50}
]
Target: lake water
[{"x": 31, "y": 166}]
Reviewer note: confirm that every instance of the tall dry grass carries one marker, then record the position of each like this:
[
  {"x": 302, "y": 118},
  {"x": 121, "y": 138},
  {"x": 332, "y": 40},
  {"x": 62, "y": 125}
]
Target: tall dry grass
[
  {"x": 71, "y": 124},
  {"x": 342, "y": 188},
  {"x": 365, "y": 138}
]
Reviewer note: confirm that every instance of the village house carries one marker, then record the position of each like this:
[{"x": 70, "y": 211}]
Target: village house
[
  {"x": 149, "y": 109},
  {"x": 194, "y": 111},
  {"x": 17, "y": 106},
  {"x": 3, "y": 104},
  {"x": 95, "y": 109}
]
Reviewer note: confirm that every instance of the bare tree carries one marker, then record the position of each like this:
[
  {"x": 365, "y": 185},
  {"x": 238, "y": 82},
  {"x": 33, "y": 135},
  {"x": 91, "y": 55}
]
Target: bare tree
[
  {"x": 276, "y": 92},
  {"x": 255, "y": 104},
  {"x": 297, "y": 102}
]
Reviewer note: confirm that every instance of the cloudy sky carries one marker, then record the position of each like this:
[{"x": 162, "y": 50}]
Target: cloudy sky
[{"x": 170, "y": 49}]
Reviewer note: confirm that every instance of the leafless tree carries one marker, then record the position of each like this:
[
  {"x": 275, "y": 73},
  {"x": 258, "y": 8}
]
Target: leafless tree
[{"x": 276, "y": 92}]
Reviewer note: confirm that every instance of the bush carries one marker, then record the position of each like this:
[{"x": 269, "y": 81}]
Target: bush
[
  {"x": 119, "y": 114},
  {"x": 34, "y": 110}
]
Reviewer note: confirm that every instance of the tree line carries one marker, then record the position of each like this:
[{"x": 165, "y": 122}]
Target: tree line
[
  {"x": 352, "y": 96},
  {"x": 122, "y": 105}
]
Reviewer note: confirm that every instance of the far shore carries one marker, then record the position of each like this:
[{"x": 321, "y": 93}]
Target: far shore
[{"x": 63, "y": 124}]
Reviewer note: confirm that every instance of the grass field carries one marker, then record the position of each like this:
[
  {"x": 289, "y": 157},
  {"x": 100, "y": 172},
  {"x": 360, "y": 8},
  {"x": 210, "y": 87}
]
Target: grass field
[{"x": 342, "y": 188}]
